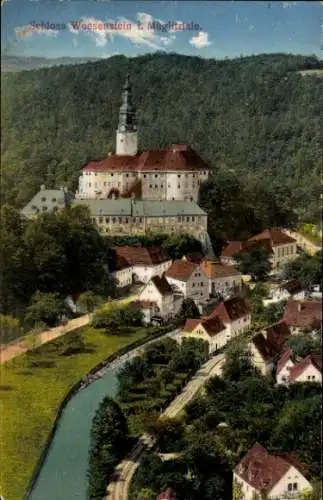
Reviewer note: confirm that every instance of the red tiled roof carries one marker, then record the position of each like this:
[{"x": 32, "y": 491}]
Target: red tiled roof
[
  {"x": 303, "y": 313},
  {"x": 262, "y": 470},
  {"x": 141, "y": 256},
  {"x": 276, "y": 237},
  {"x": 176, "y": 158},
  {"x": 287, "y": 355},
  {"x": 181, "y": 270},
  {"x": 213, "y": 325},
  {"x": 191, "y": 324},
  {"x": 299, "y": 368},
  {"x": 277, "y": 335},
  {"x": 232, "y": 248},
  {"x": 162, "y": 285},
  {"x": 231, "y": 309},
  {"x": 169, "y": 494},
  {"x": 213, "y": 269},
  {"x": 263, "y": 347}
]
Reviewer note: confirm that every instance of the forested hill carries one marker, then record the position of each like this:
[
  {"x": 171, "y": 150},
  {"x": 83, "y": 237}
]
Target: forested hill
[{"x": 257, "y": 115}]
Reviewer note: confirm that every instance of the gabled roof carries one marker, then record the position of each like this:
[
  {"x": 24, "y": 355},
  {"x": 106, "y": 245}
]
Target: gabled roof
[
  {"x": 303, "y": 313},
  {"x": 263, "y": 470},
  {"x": 177, "y": 158},
  {"x": 181, "y": 270},
  {"x": 277, "y": 335},
  {"x": 141, "y": 256},
  {"x": 292, "y": 286},
  {"x": 213, "y": 269},
  {"x": 47, "y": 200},
  {"x": 232, "y": 248},
  {"x": 300, "y": 367},
  {"x": 212, "y": 325},
  {"x": 231, "y": 309},
  {"x": 263, "y": 347},
  {"x": 169, "y": 494},
  {"x": 286, "y": 356},
  {"x": 275, "y": 235},
  {"x": 190, "y": 324},
  {"x": 162, "y": 285}
]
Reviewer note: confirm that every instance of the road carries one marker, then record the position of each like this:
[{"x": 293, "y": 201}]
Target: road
[
  {"x": 118, "y": 488},
  {"x": 20, "y": 346}
]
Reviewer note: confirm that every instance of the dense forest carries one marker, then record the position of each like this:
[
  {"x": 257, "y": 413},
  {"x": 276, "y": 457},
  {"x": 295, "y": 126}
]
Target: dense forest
[{"x": 256, "y": 116}]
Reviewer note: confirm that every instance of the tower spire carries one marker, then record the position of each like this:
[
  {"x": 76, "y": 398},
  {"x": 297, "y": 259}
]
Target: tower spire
[
  {"x": 127, "y": 137},
  {"x": 127, "y": 113}
]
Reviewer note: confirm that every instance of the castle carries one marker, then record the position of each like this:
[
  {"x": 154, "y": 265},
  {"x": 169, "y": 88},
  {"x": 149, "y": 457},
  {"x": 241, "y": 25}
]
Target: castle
[{"x": 137, "y": 192}]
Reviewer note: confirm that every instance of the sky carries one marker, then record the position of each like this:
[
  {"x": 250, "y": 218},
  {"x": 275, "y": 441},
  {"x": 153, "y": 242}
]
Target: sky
[{"x": 212, "y": 29}]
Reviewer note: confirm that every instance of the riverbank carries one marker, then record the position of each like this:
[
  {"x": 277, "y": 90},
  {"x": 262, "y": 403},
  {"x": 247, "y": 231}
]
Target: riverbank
[{"x": 33, "y": 387}]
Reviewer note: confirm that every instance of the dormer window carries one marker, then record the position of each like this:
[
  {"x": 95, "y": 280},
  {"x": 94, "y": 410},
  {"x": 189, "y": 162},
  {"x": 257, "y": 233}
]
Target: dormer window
[{"x": 43, "y": 199}]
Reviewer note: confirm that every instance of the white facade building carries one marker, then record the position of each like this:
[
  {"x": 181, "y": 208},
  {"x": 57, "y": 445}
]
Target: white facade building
[{"x": 188, "y": 279}]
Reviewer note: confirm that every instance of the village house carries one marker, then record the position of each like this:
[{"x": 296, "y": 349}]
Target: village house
[
  {"x": 291, "y": 370},
  {"x": 168, "y": 494},
  {"x": 281, "y": 248},
  {"x": 138, "y": 264},
  {"x": 267, "y": 345},
  {"x": 235, "y": 314},
  {"x": 159, "y": 292},
  {"x": 223, "y": 279},
  {"x": 188, "y": 279},
  {"x": 212, "y": 330},
  {"x": 292, "y": 289},
  {"x": 278, "y": 476},
  {"x": 303, "y": 315}
]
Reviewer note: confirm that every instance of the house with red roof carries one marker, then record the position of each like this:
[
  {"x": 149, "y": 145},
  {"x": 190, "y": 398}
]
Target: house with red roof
[
  {"x": 303, "y": 315},
  {"x": 235, "y": 314},
  {"x": 159, "y": 292},
  {"x": 139, "y": 264},
  {"x": 223, "y": 279},
  {"x": 280, "y": 246},
  {"x": 210, "y": 329},
  {"x": 284, "y": 364},
  {"x": 169, "y": 494},
  {"x": 188, "y": 279},
  {"x": 278, "y": 476},
  {"x": 266, "y": 346}
]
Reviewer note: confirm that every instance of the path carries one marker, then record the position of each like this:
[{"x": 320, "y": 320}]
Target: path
[
  {"x": 303, "y": 242},
  {"x": 21, "y": 346},
  {"x": 118, "y": 490}
]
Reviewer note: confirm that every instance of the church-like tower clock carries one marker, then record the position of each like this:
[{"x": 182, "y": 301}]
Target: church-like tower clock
[{"x": 127, "y": 134}]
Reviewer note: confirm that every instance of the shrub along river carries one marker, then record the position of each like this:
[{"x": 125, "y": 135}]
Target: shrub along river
[{"x": 63, "y": 475}]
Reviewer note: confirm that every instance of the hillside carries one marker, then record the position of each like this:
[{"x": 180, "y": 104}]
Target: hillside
[
  {"x": 256, "y": 115},
  {"x": 15, "y": 63}
]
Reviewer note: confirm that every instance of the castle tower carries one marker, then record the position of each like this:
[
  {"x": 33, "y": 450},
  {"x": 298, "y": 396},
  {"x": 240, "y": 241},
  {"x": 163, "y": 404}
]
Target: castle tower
[{"x": 127, "y": 134}]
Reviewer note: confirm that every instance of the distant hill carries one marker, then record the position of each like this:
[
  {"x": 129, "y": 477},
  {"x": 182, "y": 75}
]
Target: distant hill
[
  {"x": 15, "y": 63},
  {"x": 256, "y": 115}
]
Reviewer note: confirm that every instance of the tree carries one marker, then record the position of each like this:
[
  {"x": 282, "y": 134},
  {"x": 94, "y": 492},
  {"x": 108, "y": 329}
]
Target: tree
[
  {"x": 115, "y": 318},
  {"x": 238, "y": 364},
  {"x": 88, "y": 301},
  {"x": 273, "y": 313},
  {"x": 306, "y": 268},
  {"x": 10, "y": 329},
  {"x": 303, "y": 345},
  {"x": 167, "y": 431},
  {"x": 254, "y": 262},
  {"x": 147, "y": 494},
  {"x": 188, "y": 310},
  {"x": 109, "y": 443},
  {"x": 45, "y": 307}
]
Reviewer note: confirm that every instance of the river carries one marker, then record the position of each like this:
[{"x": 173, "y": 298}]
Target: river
[{"x": 63, "y": 475}]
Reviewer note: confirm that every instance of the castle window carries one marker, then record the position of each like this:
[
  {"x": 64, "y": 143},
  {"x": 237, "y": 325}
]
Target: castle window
[
  {"x": 100, "y": 220},
  {"x": 193, "y": 219},
  {"x": 104, "y": 184},
  {"x": 111, "y": 175},
  {"x": 179, "y": 176},
  {"x": 127, "y": 175},
  {"x": 120, "y": 220},
  {"x": 126, "y": 220},
  {"x": 178, "y": 186},
  {"x": 54, "y": 200},
  {"x": 44, "y": 208},
  {"x": 133, "y": 175},
  {"x": 156, "y": 186},
  {"x": 113, "y": 220},
  {"x": 179, "y": 219},
  {"x": 161, "y": 186},
  {"x": 107, "y": 220},
  {"x": 150, "y": 185},
  {"x": 169, "y": 185},
  {"x": 187, "y": 219},
  {"x": 144, "y": 176},
  {"x": 140, "y": 220},
  {"x": 156, "y": 175},
  {"x": 43, "y": 199},
  {"x": 89, "y": 184}
]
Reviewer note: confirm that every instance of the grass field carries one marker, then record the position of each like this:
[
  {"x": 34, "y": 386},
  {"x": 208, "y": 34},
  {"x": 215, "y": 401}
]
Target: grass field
[{"x": 32, "y": 388}]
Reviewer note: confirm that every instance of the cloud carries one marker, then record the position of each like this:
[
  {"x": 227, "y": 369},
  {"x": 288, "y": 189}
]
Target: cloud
[
  {"x": 251, "y": 28},
  {"x": 167, "y": 40},
  {"x": 139, "y": 32},
  {"x": 286, "y": 5},
  {"x": 29, "y": 30},
  {"x": 201, "y": 40}
]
